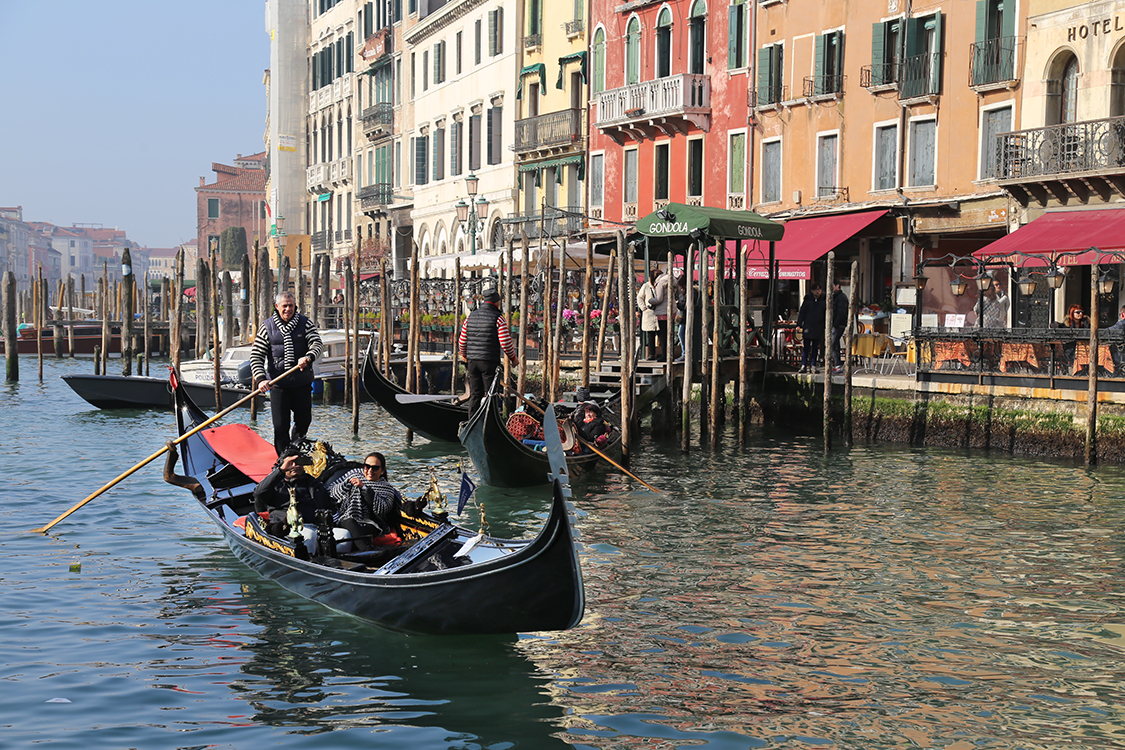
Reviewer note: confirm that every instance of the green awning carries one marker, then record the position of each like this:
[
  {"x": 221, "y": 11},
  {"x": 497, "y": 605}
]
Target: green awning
[
  {"x": 561, "y": 161},
  {"x": 382, "y": 62},
  {"x": 675, "y": 222},
  {"x": 530, "y": 70},
  {"x": 578, "y": 57}
]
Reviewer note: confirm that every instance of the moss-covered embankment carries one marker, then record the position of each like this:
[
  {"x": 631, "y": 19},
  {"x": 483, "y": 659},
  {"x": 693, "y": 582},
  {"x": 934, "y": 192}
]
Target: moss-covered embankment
[{"x": 1018, "y": 425}]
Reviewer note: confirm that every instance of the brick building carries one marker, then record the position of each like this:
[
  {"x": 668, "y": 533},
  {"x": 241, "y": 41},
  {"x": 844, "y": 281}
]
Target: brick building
[{"x": 237, "y": 198}]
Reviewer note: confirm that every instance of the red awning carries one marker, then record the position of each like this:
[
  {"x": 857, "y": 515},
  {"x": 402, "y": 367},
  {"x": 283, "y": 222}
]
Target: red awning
[
  {"x": 1061, "y": 232},
  {"x": 366, "y": 276},
  {"x": 807, "y": 240}
]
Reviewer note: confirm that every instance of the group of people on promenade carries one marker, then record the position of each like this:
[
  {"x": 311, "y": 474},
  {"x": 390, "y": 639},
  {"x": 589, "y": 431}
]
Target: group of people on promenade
[{"x": 810, "y": 319}]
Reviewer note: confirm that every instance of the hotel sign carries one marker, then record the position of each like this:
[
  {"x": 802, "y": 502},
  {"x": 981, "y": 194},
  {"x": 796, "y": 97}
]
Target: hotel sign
[
  {"x": 1102, "y": 27},
  {"x": 378, "y": 44}
]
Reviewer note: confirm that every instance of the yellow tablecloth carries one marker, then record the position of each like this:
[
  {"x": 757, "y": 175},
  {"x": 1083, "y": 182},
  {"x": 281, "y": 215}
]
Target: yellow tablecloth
[{"x": 870, "y": 344}]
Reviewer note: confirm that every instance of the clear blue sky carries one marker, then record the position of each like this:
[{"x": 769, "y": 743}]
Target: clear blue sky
[{"x": 113, "y": 111}]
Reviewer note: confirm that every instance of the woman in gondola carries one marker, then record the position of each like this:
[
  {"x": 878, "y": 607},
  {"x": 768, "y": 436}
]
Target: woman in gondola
[{"x": 369, "y": 506}]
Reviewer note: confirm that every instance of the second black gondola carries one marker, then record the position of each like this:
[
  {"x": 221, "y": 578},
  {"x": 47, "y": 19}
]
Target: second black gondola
[{"x": 432, "y": 420}]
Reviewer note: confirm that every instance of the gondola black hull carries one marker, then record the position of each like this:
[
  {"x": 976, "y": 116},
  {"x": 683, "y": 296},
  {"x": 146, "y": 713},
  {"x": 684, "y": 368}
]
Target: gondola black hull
[
  {"x": 432, "y": 420},
  {"x": 139, "y": 392},
  {"x": 503, "y": 461},
  {"x": 516, "y": 586}
]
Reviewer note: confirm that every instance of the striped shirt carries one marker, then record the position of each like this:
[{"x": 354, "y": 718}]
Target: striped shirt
[
  {"x": 260, "y": 353},
  {"x": 503, "y": 333}
]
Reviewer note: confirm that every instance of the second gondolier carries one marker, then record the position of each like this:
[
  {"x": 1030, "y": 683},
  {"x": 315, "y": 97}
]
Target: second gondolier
[{"x": 285, "y": 340}]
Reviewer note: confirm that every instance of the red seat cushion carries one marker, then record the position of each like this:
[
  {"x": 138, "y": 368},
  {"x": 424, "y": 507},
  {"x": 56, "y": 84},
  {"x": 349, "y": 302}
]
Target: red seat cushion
[{"x": 247, "y": 450}]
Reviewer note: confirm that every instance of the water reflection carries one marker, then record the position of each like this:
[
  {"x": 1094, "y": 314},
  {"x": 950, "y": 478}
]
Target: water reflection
[{"x": 300, "y": 667}]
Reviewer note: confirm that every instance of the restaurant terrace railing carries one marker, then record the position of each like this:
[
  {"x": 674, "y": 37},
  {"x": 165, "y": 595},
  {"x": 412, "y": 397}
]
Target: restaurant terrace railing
[
  {"x": 1030, "y": 353},
  {"x": 1088, "y": 146}
]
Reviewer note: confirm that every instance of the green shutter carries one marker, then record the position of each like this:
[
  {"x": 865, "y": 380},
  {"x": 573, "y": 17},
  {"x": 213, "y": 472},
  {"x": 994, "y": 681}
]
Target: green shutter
[
  {"x": 764, "y": 76},
  {"x": 734, "y": 13},
  {"x": 1007, "y": 18},
  {"x": 914, "y": 34},
  {"x": 819, "y": 51},
  {"x": 599, "y": 61},
  {"x": 938, "y": 48},
  {"x": 982, "y": 21},
  {"x": 492, "y": 33},
  {"x": 737, "y": 164}
]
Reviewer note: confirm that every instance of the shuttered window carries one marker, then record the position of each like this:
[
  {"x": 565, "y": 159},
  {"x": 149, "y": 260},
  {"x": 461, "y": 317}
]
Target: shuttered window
[
  {"x": 495, "y": 141},
  {"x": 737, "y": 56},
  {"x": 661, "y": 167},
  {"x": 995, "y": 121},
  {"x": 633, "y": 51},
  {"x": 771, "y": 172},
  {"x": 421, "y": 160},
  {"x": 597, "y": 180},
  {"x": 495, "y": 32},
  {"x": 664, "y": 44},
  {"x": 886, "y": 157},
  {"x": 455, "y": 148},
  {"x": 457, "y": 52},
  {"x": 769, "y": 74},
  {"x": 922, "y": 151},
  {"x": 827, "y": 151},
  {"x": 349, "y": 50},
  {"x": 698, "y": 41},
  {"x": 474, "y": 143},
  {"x": 736, "y": 167},
  {"x": 477, "y": 42},
  {"x": 599, "y": 61},
  {"x": 828, "y": 60},
  {"x": 439, "y": 154},
  {"x": 695, "y": 168},
  {"x": 425, "y": 70},
  {"x": 630, "y": 195}
]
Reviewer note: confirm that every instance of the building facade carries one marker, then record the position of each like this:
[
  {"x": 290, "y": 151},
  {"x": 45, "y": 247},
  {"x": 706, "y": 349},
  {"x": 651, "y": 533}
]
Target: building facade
[{"x": 236, "y": 198}]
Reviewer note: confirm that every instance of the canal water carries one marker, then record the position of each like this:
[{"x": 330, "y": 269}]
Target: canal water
[{"x": 878, "y": 598}]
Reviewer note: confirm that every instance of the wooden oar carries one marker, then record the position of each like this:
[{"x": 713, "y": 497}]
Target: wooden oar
[
  {"x": 535, "y": 406},
  {"x": 163, "y": 450}
]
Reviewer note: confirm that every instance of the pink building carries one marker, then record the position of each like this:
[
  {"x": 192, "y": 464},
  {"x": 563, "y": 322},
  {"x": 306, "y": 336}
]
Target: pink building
[{"x": 237, "y": 198}]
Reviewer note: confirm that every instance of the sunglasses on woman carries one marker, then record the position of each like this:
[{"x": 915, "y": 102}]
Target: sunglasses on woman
[{"x": 372, "y": 467}]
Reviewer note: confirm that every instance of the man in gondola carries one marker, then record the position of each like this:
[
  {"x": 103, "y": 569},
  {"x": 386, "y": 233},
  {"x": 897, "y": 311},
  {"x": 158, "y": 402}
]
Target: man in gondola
[
  {"x": 286, "y": 339},
  {"x": 272, "y": 493},
  {"x": 484, "y": 338}
]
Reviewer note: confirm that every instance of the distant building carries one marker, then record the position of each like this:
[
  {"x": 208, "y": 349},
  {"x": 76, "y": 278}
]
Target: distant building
[
  {"x": 237, "y": 198},
  {"x": 76, "y": 251},
  {"x": 162, "y": 262},
  {"x": 109, "y": 245},
  {"x": 15, "y": 253}
]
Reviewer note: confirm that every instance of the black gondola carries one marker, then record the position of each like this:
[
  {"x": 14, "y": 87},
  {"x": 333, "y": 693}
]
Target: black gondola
[
  {"x": 435, "y": 420},
  {"x": 439, "y": 584},
  {"x": 141, "y": 392},
  {"x": 502, "y": 460}
]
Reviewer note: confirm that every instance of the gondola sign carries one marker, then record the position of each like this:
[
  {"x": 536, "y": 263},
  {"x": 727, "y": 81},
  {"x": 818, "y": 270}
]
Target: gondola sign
[{"x": 679, "y": 221}]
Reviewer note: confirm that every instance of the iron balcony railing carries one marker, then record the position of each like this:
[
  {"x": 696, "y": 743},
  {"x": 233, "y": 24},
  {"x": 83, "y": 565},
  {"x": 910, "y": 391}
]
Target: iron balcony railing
[
  {"x": 533, "y": 40},
  {"x": 552, "y": 129},
  {"x": 381, "y": 113},
  {"x": 575, "y": 27},
  {"x": 994, "y": 61},
  {"x": 823, "y": 85},
  {"x": 681, "y": 94},
  {"x": 920, "y": 76},
  {"x": 377, "y": 194},
  {"x": 767, "y": 96},
  {"x": 320, "y": 242},
  {"x": 1032, "y": 353},
  {"x": 883, "y": 74},
  {"x": 1090, "y": 146},
  {"x": 555, "y": 222}
]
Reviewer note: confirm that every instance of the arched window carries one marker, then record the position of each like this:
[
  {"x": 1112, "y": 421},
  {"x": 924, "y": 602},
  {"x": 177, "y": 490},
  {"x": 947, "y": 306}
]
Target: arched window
[
  {"x": 698, "y": 38},
  {"x": 599, "y": 61},
  {"x": 1068, "y": 102},
  {"x": 633, "y": 51},
  {"x": 1117, "y": 84},
  {"x": 664, "y": 44},
  {"x": 497, "y": 236}
]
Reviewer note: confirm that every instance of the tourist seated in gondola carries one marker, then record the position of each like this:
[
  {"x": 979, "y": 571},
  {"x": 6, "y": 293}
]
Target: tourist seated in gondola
[
  {"x": 272, "y": 493},
  {"x": 368, "y": 506},
  {"x": 590, "y": 425},
  {"x": 179, "y": 480}
]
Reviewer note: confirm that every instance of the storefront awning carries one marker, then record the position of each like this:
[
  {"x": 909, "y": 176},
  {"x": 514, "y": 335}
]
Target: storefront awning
[
  {"x": 805, "y": 241},
  {"x": 1061, "y": 232},
  {"x": 674, "y": 224}
]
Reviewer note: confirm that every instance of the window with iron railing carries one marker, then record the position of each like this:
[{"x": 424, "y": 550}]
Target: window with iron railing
[{"x": 993, "y": 61}]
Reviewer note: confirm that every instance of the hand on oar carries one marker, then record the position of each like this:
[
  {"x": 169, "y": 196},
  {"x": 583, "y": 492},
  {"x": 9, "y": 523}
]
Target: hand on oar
[{"x": 162, "y": 451}]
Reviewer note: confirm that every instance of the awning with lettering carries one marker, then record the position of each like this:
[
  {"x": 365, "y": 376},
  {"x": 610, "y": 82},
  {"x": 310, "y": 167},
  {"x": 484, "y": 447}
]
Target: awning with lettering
[
  {"x": 578, "y": 57},
  {"x": 807, "y": 240},
  {"x": 1062, "y": 232},
  {"x": 538, "y": 69},
  {"x": 674, "y": 224}
]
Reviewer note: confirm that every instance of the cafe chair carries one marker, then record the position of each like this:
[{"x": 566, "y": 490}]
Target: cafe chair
[{"x": 895, "y": 349}]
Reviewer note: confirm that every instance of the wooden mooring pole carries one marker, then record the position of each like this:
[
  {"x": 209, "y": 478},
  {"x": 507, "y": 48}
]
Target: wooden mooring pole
[
  {"x": 525, "y": 265},
  {"x": 1092, "y": 383},
  {"x": 689, "y": 369},
  {"x": 11, "y": 350},
  {"x": 849, "y": 337},
  {"x": 827, "y": 416}
]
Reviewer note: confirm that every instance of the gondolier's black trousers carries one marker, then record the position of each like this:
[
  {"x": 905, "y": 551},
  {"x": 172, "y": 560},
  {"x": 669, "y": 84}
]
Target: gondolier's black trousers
[
  {"x": 286, "y": 401},
  {"x": 480, "y": 373}
]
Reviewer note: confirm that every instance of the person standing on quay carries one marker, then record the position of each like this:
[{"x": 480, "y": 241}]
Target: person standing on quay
[
  {"x": 286, "y": 339},
  {"x": 839, "y": 321},
  {"x": 484, "y": 337},
  {"x": 810, "y": 320}
]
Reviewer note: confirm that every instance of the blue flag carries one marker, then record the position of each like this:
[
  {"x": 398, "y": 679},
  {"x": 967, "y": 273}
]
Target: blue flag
[{"x": 468, "y": 487}]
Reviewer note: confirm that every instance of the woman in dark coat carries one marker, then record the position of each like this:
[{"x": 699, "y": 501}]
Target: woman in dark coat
[{"x": 810, "y": 320}]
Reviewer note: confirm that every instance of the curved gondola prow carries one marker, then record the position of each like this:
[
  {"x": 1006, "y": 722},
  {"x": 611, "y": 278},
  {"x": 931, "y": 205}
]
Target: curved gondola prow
[{"x": 560, "y": 479}]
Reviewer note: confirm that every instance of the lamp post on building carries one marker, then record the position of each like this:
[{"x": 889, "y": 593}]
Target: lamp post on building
[
  {"x": 280, "y": 240},
  {"x": 472, "y": 212}
]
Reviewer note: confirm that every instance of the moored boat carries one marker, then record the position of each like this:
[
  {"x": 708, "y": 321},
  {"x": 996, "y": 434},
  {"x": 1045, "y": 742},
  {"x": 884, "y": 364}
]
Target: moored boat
[
  {"x": 448, "y": 580},
  {"x": 503, "y": 460},
  {"x": 435, "y": 420},
  {"x": 141, "y": 392}
]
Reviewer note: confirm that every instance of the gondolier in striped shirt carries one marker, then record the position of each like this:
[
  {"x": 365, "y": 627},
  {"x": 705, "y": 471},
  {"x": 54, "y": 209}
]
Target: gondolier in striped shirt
[
  {"x": 287, "y": 338},
  {"x": 485, "y": 337}
]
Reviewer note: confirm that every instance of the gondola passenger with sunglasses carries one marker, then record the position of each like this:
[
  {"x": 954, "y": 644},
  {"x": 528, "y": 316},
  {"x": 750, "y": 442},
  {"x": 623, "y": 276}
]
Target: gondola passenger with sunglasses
[
  {"x": 368, "y": 505},
  {"x": 272, "y": 493}
]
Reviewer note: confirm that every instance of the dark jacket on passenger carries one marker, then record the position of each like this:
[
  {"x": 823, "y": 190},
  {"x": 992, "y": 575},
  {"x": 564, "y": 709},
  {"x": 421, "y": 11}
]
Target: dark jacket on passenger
[
  {"x": 811, "y": 317},
  {"x": 273, "y": 494},
  {"x": 839, "y": 309}
]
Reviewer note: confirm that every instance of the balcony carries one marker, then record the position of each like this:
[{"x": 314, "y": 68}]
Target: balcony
[
  {"x": 1064, "y": 163},
  {"x": 829, "y": 86},
  {"x": 881, "y": 77},
  {"x": 531, "y": 41},
  {"x": 316, "y": 178},
  {"x": 340, "y": 171},
  {"x": 994, "y": 63},
  {"x": 920, "y": 76},
  {"x": 553, "y": 222},
  {"x": 549, "y": 131},
  {"x": 320, "y": 242},
  {"x": 375, "y": 197},
  {"x": 575, "y": 28},
  {"x": 669, "y": 105},
  {"x": 378, "y": 120},
  {"x": 767, "y": 97}
]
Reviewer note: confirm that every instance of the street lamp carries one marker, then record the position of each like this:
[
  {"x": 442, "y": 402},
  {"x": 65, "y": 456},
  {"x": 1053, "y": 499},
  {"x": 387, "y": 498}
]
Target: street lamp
[{"x": 472, "y": 213}]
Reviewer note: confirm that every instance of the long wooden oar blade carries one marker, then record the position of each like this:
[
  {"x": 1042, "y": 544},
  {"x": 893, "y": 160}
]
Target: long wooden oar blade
[
  {"x": 417, "y": 398},
  {"x": 162, "y": 451},
  {"x": 535, "y": 406}
]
